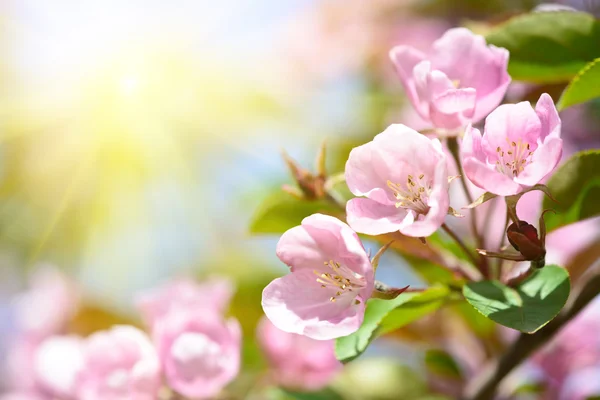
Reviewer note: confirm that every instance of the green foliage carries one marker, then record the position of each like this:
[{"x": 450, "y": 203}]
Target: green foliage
[
  {"x": 479, "y": 324},
  {"x": 526, "y": 308},
  {"x": 281, "y": 211},
  {"x": 441, "y": 363},
  {"x": 576, "y": 187},
  {"x": 584, "y": 87},
  {"x": 548, "y": 46},
  {"x": 284, "y": 394},
  {"x": 382, "y": 379},
  {"x": 383, "y": 316}
]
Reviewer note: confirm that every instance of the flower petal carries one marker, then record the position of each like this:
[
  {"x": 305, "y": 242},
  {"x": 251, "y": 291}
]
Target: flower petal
[
  {"x": 471, "y": 144},
  {"x": 372, "y": 218},
  {"x": 499, "y": 81},
  {"x": 512, "y": 122},
  {"x": 439, "y": 201},
  {"x": 365, "y": 176},
  {"x": 543, "y": 161},
  {"x": 339, "y": 242},
  {"x": 467, "y": 58},
  {"x": 487, "y": 178},
  {"x": 405, "y": 59},
  {"x": 453, "y": 109},
  {"x": 403, "y": 151},
  {"x": 298, "y": 249},
  {"x": 295, "y": 303},
  {"x": 548, "y": 115}
]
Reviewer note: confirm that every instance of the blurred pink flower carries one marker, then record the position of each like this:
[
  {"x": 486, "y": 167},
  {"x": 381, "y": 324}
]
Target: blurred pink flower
[
  {"x": 57, "y": 362},
  {"x": 186, "y": 294},
  {"x": 574, "y": 349},
  {"x": 331, "y": 279},
  {"x": 314, "y": 41},
  {"x": 119, "y": 364},
  {"x": 460, "y": 81},
  {"x": 22, "y": 396},
  {"x": 18, "y": 365},
  {"x": 296, "y": 361},
  {"x": 582, "y": 384},
  {"x": 47, "y": 306},
  {"x": 518, "y": 149},
  {"x": 199, "y": 351},
  {"x": 404, "y": 177}
]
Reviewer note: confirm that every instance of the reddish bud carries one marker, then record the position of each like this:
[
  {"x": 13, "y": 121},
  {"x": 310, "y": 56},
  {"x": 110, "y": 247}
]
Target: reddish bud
[{"x": 524, "y": 238}]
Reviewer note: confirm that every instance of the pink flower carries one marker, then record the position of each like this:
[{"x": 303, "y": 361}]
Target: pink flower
[
  {"x": 119, "y": 364},
  {"x": 518, "y": 149},
  {"x": 331, "y": 278},
  {"x": 574, "y": 348},
  {"x": 199, "y": 352},
  {"x": 297, "y": 362},
  {"x": 582, "y": 384},
  {"x": 57, "y": 362},
  {"x": 404, "y": 177},
  {"x": 19, "y": 361},
  {"x": 47, "y": 306},
  {"x": 460, "y": 81},
  {"x": 22, "y": 396},
  {"x": 213, "y": 294}
]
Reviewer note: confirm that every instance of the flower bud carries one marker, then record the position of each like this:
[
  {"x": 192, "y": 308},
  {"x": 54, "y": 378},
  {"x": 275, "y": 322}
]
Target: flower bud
[{"x": 524, "y": 238}]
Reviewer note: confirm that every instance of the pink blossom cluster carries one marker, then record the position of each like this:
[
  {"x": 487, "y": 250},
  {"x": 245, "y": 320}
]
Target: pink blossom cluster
[
  {"x": 401, "y": 179},
  {"x": 190, "y": 348},
  {"x": 571, "y": 361}
]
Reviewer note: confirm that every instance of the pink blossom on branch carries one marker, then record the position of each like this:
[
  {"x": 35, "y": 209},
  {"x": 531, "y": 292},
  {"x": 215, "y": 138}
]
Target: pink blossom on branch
[
  {"x": 213, "y": 294},
  {"x": 58, "y": 360},
  {"x": 404, "y": 177},
  {"x": 331, "y": 279},
  {"x": 199, "y": 352},
  {"x": 297, "y": 362},
  {"x": 41, "y": 311},
  {"x": 461, "y": 80},
  {"x": 520, "y": 146},
  {"x": 22, "y": 396},
  {"x": 119, "y": 364},
  {"x": 47, "y": 306}
]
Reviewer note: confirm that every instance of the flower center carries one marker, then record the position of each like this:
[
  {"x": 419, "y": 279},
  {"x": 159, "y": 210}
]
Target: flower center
[
  {"x": 414, "y": 195},
  {"x": 340, "y": 279},
  {"x": 513, "y": 158}
]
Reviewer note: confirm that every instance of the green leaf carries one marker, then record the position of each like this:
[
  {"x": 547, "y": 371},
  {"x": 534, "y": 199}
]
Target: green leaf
[
  {"x": 281, "y": 211},
  {"x": 383, "y": 316},
  {"x": 528, "y": 307},
  {"x": 584, "y": 87},
  {"x": 285, "y": 394},
  {"x": 439, "y": 362},
  {"x": 576, "y": 188},
  {"x": 548, "y": 46}
]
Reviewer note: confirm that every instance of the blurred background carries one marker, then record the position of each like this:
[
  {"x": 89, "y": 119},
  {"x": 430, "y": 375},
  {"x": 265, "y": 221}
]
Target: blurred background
[{"x": 138, "y": 139}]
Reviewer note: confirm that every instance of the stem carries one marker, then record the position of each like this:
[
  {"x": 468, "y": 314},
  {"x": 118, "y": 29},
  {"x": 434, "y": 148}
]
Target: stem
[
  {"x": 485, "y": 384},
  {"x": 499, "y": 264},
  {"x": 483, "y": 264},
  {"x": 460, "y": 243},
  {"x": 453, "y": 147}
]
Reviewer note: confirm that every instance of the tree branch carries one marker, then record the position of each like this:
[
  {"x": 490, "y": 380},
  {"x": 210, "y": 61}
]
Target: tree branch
[{"x": 483, "y": 386}]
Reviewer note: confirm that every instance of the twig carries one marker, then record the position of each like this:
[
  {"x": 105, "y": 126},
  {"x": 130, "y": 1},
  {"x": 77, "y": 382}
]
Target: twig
[
  {"x": 484, "y": 386},
  {"x": 483, "y": 264},
  {"x": 500, "y": 262},
  {"x": 462, "y": 245}
]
